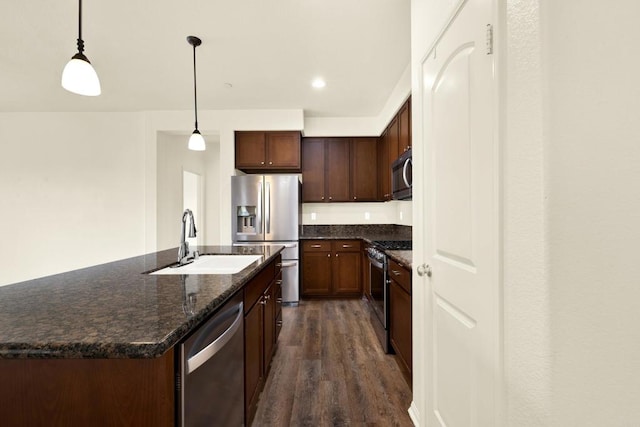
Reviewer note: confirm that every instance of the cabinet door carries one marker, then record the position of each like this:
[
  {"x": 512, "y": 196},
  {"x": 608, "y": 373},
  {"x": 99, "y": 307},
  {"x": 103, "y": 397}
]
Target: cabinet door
[
  {"x": 337, "y": 169},
  {"x": 347, "y": 273},
  {"x": 400, "y": 323},
  {"x": 250, "y": 149},
  {"x": 393, "y": 135},
  {"x": 316, "y": 274},
  {"x": 283, "y": 150},
  {"x": 269, "y": 324},
  {"x": 404, "y": 119},
  {"x": 277, "y": 296},
  {"x": 384, "y": 170},
  {"x": 313, "y": 170},
  {"x": 364, "y": 184},
  {"x": 253, "y": 358}
]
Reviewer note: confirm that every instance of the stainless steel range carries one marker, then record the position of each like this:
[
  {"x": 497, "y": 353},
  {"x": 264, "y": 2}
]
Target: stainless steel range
[{"x": 377, "y": 288}]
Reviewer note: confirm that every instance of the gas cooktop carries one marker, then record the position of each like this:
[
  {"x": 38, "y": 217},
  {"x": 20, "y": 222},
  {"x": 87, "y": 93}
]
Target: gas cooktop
[{"x": 394, "y": 245}]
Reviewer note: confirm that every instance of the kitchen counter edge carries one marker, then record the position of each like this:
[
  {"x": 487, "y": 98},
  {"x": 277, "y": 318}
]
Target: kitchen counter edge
[{"x": 137, "y": 350}]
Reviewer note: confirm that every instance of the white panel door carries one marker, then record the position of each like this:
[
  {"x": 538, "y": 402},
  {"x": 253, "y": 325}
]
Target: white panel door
[{"x": 461, "y": 206}]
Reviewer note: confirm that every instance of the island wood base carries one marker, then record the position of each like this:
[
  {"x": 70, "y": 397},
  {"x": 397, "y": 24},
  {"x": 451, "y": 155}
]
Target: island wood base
[{"x": 87, "y": 392}]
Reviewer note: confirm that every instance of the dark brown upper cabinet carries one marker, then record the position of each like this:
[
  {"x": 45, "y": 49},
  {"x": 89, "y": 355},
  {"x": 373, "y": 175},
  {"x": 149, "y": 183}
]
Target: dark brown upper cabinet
[
  {"x": 364, "y": 169},
  {"x": 384, "y": 171},
  {"x": 339, "y": 169},
  {"x": 268, "y": 151},
  {"x": 404, "y": 124},
  {"x": 395, "y": 140}
]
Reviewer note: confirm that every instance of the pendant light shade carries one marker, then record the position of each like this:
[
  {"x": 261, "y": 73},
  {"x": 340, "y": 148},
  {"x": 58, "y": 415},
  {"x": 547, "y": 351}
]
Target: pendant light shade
[
  {"x": 78, "y": 75},
  {"x": 196, "y": 141}
]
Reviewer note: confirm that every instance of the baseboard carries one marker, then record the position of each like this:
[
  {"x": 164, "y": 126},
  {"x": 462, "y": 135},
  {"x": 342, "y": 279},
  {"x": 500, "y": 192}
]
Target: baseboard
[{"x": 414, "y": 414}]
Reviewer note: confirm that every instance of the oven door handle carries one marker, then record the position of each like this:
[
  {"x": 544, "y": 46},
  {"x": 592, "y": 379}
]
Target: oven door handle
[{"x": 376, "y": 263}]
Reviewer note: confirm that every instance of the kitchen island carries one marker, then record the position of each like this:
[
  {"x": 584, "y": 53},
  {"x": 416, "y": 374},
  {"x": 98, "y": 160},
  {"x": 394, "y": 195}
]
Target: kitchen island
[{"x": 98, "y": 343}]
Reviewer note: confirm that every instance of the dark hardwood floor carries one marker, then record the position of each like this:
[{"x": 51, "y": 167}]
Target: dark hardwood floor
[{"x": 329, "y": 370}]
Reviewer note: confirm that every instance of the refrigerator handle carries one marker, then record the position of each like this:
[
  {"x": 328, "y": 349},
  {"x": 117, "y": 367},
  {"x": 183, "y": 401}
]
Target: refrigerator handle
[
  {"x": 267, "y": 207},
  {"x": 259, "y": 206}
]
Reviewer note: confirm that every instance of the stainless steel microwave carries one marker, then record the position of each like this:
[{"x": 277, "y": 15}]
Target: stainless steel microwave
[{"x": 401, "y": 179}]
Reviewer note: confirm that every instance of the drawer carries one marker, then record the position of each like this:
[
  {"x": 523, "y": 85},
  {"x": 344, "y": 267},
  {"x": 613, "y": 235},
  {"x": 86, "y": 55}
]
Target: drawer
[
  {"x": 316, "y": 246},
  {"x": 256, "y": 286},
  {"x": 400, "y": 275},
  {"x": 346, "y": 245}
]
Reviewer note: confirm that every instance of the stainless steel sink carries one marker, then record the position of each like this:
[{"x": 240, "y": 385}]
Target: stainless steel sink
[{"x": 213, "y": 264}]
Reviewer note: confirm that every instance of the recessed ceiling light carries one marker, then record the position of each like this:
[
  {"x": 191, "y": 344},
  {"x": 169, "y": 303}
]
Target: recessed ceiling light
[{"x": 318, "y": 83}]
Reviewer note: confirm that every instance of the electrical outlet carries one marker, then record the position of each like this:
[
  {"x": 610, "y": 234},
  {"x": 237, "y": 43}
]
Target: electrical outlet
[
  {"x": 367, "y": 215},
  {"x": 313, "y": 216},
  {"x": 401, "y": 215}
]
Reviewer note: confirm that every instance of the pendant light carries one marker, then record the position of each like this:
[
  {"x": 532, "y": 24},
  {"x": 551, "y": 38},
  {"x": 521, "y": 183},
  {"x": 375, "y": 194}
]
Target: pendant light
[
  {"x": 196, "y": 141},
  {"x": 78, "y": 75}
]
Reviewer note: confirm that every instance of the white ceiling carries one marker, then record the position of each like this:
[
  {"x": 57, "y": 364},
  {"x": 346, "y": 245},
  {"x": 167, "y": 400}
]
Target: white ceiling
[{"x": 269, "y": 50}]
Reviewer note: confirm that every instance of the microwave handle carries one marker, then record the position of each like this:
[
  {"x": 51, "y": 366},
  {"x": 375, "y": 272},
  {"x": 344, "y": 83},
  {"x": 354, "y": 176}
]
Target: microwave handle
[{"x": 404, "y": 172}]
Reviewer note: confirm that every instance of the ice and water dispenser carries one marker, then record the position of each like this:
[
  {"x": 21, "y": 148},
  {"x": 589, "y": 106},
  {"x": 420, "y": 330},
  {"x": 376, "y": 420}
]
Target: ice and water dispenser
[{"x": 246, "y": 219}]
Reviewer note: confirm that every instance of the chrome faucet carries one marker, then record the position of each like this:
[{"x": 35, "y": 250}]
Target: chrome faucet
[{"x": 183, "y": 250}]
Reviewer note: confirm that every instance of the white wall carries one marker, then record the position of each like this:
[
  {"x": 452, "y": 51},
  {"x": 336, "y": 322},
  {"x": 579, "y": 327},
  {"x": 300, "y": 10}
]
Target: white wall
[
  {"x": 222, "y": 123},
  {"x": 592, "y": 109},
  {"x": 72, "y": 187},
  {"x": 393, "y": 212},
  {"x": 173, "y": 158},
  {"x": 526, "y": 287}
]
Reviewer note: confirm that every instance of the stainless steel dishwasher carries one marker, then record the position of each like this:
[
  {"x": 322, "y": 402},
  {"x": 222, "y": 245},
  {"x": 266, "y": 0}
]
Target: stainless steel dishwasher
[{"x": 211, "y": 371}]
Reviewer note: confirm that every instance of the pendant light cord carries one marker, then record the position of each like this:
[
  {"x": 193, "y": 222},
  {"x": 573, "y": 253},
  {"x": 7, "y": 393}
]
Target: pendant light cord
[
  {"x": 195, "y": 91},
  {"x": 80, "y": 41}
]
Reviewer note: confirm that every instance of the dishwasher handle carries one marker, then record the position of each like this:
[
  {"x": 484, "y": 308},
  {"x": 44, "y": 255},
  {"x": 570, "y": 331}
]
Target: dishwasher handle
[{"x": 198, "y": 359}]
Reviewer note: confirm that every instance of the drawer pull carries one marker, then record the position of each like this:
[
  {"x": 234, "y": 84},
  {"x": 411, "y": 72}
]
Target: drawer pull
[
  {"x": 347, "y": 246},
  {"x": 279, "y": 323},
  {"x": 278, "y": 282},
  {"x": 279, "y": 300},
  {"x": 316, "y": 246},
  {"x": 396, "y": 272}
]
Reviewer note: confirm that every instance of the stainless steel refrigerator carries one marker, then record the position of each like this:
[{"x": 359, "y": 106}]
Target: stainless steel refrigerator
[{"x": 266, "y": 209}]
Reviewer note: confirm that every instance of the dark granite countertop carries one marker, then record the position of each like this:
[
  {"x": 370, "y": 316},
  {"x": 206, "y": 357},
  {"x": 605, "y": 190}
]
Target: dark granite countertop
[
  {"x": 368, "y": 233},
  {"x": 403, "y": 257},
  {"x": 113, "y": 310}
]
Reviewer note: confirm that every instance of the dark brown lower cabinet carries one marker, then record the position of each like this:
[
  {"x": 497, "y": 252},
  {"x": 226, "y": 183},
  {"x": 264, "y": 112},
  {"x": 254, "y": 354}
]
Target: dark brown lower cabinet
[
  {"x": 400, "y": 316},
  {"x": 88, "y": 392},
  {"x": 331, "y": 268},
  {"x": 262, "y": 309}
]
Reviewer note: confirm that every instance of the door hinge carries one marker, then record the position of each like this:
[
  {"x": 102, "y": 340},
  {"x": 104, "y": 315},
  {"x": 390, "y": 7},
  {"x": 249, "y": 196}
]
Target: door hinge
[{"x": 489, "y": 39}]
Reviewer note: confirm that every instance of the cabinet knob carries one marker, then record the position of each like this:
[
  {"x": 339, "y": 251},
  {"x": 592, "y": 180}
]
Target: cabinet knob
[
  {"x": 270, "y": 163},
  {"x": 263, "y": 301},
  {"x": 279, "y": 323},
  {"x": 262, "y": 163},
  {"x": 354, "y": 197},
  {"x": 322, "y": 197},
  {"x": 337, "y": 255},
  {"x": 279, "y": 300},
  {"x": 328, "y": 255},
  {"x": 330, "y": 198}
]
